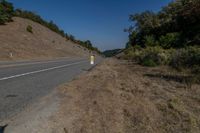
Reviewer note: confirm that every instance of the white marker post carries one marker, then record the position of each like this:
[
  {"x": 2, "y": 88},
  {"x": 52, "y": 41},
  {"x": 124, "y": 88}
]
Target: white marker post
[
  {"x": 11, "y": 54},
  {"x": 92, "y": 59}
]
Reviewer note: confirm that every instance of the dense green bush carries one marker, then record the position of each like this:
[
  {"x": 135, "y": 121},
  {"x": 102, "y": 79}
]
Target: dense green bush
[
  {"x": 186, "y": 58},
  {"x": 133, "y": 53},
  {"x": 6, "y": 11},
  {"x": 154, "y": 54},
  {"x": 150, "y": 41},
  {"x": 29, "y": 29},
  {"x": 170, "y": 40},
  {"x": 149, "y": 56},
  {"x": 148, "y": 62},
  {"x": 175, "y": 25}
]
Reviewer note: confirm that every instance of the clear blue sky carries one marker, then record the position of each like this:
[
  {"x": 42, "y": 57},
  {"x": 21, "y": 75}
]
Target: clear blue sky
[{"x": 101, "y": 21}]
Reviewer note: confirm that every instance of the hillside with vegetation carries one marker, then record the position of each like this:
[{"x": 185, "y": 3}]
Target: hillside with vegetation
[
  {"x": 169, "y": 37},
  {"x": 8, "y": 16},
  {"x": 110, "y": 53}
]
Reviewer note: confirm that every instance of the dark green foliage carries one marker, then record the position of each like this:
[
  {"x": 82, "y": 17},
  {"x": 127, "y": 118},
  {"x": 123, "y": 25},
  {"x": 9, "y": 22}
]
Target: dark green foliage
[
  {"x": 186, "y": 58},
  {"x": 6, "y": 11},
  {"x": 150, "y": 41},
  {"x": 170, "y": 40},
  {"x": 148, "y": 62},
  {"x": 72, "y": 38},
  {"x": 152, "y": 56},
  {"x": 151, "y": 59},
  {"x": 149, "y": 56},
  {"x": 29, "y": 29},
  {"x": 175, "y": 26},
  {"x": 170, "y": 37},
  {"x": 176, "y": 29}
]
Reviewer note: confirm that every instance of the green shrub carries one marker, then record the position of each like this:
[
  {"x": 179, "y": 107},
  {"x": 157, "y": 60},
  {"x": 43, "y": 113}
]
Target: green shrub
[
  {"x": 150, "y": 41},
  {"x": 170, "y": 40},
  {"x": 133, "y": 53},
  {"x": 6, "y": 11},
  {"x": 29, "y": 29},
  {"x": 148, "y": 62},
  {"x": 196, "y": 70},
  {"x": 154, "y": 54},
  {"x": 150, "y": 56},
  {"x": 186, "y": 58}
]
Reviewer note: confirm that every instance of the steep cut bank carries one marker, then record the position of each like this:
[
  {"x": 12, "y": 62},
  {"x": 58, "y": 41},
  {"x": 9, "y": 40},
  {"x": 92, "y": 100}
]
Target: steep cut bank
[{"x": 19, "y": 44}]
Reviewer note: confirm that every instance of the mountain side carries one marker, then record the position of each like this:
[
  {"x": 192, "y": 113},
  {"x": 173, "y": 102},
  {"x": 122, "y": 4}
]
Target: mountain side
[{"x": 17, "y": 42}]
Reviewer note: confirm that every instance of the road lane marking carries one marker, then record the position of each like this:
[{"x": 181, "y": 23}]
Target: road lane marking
[
  {"x": 39, "y": 71},
  {"x": 31, "y": 63}
]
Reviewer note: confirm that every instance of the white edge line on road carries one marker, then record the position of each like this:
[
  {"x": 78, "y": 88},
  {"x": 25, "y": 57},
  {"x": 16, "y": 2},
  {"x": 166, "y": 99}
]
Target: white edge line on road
[
  {"x": 30, "y": 63},
  {"x": 38, "y": 71}
]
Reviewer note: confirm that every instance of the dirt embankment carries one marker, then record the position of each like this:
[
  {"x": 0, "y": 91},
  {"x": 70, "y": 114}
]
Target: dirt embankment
[
  {"x": 121, "y": 97},
  {"x": 42, "y": 43}
]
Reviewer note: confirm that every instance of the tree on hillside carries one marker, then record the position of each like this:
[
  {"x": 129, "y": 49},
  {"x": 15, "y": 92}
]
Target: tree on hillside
[
  {"x": 6, "y": 11},
  {"x": 88, "y": 44},
  {"x": 71, "y": 37}
]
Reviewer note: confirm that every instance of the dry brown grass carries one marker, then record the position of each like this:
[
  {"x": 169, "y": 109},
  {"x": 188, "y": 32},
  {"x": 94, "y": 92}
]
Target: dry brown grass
[
  {"x": 42, "y": 43},
  {"x": 119, "y": 97}
]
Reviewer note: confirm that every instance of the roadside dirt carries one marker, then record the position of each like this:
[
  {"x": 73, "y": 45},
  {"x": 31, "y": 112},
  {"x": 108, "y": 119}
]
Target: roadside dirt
[{"x": 121, "y": 97}]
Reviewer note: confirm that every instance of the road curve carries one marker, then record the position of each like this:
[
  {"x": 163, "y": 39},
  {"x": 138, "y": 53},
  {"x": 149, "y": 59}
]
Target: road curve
[{"x": 21, "y": 83}]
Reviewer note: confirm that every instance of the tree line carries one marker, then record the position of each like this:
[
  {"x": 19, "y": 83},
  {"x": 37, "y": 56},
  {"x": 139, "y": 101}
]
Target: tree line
[
  {"x": 175, "y": 26},
  {"x": 168, "y": 37},
  {"x": 7, "y": 12}
]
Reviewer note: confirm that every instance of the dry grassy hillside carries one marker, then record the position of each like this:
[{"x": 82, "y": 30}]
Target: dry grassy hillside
[{"x": 42, "y": 43}]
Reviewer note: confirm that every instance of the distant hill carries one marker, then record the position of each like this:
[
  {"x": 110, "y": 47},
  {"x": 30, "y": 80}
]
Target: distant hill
[{"x": 110, "y": 53}]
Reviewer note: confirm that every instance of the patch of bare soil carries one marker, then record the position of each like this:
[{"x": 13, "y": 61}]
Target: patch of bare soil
[{"x": 121, "y": 97}]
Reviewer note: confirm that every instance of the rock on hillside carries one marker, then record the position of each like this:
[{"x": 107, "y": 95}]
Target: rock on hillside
[{"x": 42, "y": 43}]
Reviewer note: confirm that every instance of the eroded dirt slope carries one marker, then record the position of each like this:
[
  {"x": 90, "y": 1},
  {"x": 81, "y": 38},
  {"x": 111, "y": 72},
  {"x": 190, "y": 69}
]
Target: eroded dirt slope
[{"x": 42, "y": 43}]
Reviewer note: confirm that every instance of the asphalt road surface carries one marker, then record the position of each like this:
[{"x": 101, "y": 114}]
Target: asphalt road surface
[{"x": 22, "y": 82}]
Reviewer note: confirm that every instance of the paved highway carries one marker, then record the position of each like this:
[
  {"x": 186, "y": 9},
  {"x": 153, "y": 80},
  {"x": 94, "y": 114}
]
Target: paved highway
[{"x": 23, "y": 82}]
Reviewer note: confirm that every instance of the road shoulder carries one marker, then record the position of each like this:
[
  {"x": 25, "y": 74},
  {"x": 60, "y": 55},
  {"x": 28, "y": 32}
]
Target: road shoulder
[{"x": 119, "y": 96}]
